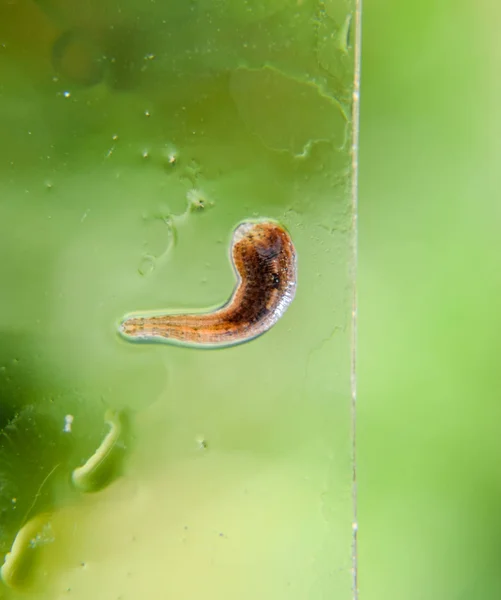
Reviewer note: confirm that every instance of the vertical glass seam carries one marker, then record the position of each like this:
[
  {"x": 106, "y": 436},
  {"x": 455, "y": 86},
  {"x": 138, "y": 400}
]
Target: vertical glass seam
[{"x": 354, "y": 259}]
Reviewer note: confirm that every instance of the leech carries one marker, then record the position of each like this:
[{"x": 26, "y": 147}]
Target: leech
[
  {"x": 16, "y": 569},
  {"x": 97, "y": 470},
  {"x": 264, "y": 260}
]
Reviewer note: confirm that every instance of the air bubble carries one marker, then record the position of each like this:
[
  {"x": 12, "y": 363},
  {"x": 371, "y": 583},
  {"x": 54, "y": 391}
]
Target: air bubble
[
  {"x": 147, "y": 265},
  {"x": 170, "y": 154},
  {"x": 68, "y": 422},
  {"x": 202, "y": 443}
]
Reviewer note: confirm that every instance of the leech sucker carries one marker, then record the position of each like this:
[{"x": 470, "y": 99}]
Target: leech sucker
[{"x": 264, "y": 260}]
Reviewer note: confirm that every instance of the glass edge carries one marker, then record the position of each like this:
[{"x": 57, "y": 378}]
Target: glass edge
[{"x": 354, "y": 261}]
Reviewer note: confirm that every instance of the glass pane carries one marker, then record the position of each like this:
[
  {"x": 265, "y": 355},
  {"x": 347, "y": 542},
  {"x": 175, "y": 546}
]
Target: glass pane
[{"x": 158, "y": 455}]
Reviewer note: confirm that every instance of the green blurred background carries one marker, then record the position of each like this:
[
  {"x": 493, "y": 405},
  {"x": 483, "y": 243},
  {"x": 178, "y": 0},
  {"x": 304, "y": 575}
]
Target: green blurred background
[{"x": 429, "y": 284}]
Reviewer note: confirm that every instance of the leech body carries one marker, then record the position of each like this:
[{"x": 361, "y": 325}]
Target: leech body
[
  {"x": 264, "y": 260},
  {"x": 15, "y": 571},
  {"x": 95, "y": 473}
]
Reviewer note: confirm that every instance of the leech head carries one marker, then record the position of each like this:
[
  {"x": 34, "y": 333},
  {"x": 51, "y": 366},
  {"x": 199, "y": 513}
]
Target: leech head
[
  {"x": 242, "y": 231},
  {"x": 265, "y": 238},
  {"x": 264, "y": 257}
]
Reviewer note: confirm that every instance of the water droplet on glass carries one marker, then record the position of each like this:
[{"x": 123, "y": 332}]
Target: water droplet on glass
[
  {"x": 146, "y": 265},
  {"x": 192, "y": 172},
  {"x": 202, "y": 443},
  {"x": 197, "y": 200},
  {"x": 68, "y": 421}
]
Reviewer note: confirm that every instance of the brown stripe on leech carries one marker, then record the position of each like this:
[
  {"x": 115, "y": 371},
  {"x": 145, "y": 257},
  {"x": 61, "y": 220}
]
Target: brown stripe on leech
[{"x": 264, "y": 260}]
